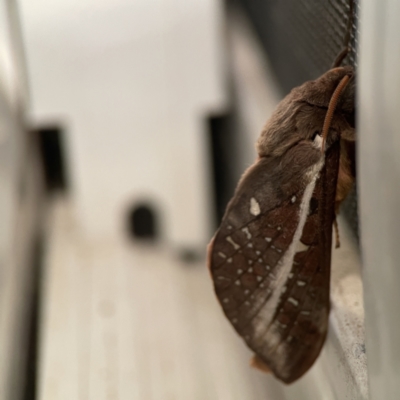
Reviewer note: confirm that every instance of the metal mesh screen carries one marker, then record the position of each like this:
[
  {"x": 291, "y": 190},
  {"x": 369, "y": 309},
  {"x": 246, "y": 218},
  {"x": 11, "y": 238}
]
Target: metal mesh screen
[{"x": 302, "y": 39}]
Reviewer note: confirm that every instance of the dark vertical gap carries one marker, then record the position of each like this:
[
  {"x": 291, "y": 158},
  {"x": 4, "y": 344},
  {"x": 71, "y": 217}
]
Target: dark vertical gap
[
  {"x": 221, "y": 132},
  {"x": 52, "y": 152},
  {"x": 33, "y": 313},
  {"x": 142, "y": 222}
]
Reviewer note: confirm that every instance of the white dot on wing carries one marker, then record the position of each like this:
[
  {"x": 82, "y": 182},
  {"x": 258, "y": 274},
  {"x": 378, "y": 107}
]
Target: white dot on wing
[
  {"x": 254, "y": 207},
  {"x": 293, "y": 301}
]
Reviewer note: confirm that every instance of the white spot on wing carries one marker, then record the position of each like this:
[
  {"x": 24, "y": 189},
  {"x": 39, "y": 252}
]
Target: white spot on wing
[
  {"x": 293, "y": 199},
  {"x": 268, "y": 239},
  {"x": 254, "y": 207},
  {"x": 222, "y": 255},
  {"x": 247, "y": 232},
  {"x": 237, "y": 283},
  {"x": 226, "y": 300},
  {"x": 229, "y": 260},
  {"x": 293, "y": 301},
  {"x": 317, "y": 141},
  {"x": 301, "y": 283},
  {"x": 230, "y": 240},
  {"x": 239, "y": 271}
]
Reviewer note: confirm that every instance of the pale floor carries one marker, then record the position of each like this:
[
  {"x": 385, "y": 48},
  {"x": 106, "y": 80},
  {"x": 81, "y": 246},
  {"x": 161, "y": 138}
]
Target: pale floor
[{"x": 125, "y": 322}]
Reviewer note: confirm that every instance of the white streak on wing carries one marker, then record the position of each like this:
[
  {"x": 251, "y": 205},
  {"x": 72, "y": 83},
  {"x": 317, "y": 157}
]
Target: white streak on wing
[
  {"x": 284, "y": 267},
  {"x": 230, "y": 240},
  {"x": 293, "y": 301},
  {"x": 247, "y": 232},
  {"x": 254, "y": 207}
]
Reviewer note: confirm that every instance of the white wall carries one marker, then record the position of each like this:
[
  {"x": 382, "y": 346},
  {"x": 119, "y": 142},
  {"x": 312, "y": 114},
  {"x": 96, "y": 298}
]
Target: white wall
[{"x": 132, "y": 81}]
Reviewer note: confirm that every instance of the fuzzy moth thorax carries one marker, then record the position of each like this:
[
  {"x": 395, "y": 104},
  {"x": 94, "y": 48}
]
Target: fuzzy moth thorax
[{"x": 300, "y": 115}]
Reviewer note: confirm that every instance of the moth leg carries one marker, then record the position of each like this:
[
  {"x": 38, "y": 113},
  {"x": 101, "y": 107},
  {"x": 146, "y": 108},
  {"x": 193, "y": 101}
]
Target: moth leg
[
  {"x": 337, "y": 236},
  {"x": 259, "y": 364},
  {"x": 346, "y": 172}
]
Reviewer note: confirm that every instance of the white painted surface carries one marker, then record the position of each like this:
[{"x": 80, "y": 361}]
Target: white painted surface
[
  {"x": 123, "y": 322},
  {"x": 131, "y": 82},
  {"x": 379, "y": 188}
]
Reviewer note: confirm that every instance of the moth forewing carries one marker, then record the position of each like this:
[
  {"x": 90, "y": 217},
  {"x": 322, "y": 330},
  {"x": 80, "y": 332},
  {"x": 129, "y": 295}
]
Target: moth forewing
[{"x": 270, "y": 258}]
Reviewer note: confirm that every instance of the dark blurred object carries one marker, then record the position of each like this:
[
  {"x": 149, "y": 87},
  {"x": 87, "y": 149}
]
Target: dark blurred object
[
  {"x": 142, "y": 223},
  {"x": 221, "y": 128},
  {"x": 302, "y": 39},
  {"x": 52, "y": 152},
  {"x": 191, "y": 256},
  {"x": 33, "y": 328}
]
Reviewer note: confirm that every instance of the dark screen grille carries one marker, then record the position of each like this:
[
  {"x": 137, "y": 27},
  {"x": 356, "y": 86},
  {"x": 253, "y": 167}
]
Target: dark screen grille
[{"x": 302, "y": 38}]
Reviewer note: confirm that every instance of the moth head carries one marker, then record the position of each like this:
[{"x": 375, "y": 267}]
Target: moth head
[
  {"x": 319, "y": 92},
  {"x": 299, "y": 117}
]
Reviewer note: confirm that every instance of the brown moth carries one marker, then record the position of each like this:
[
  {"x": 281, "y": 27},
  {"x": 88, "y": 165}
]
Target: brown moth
[{"x": 270, "y": 258}]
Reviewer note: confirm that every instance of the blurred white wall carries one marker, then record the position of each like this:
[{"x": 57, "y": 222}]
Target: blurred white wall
[{"x": 131, "y": 81}]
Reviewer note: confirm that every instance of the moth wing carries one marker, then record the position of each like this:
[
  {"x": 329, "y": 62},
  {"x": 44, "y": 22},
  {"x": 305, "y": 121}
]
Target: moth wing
[{"x": 270, "y": 263}]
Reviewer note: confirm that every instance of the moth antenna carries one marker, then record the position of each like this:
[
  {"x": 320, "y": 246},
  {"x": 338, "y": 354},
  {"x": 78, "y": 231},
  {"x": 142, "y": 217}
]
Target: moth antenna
[
  {"x": 331, "y": 109},
  {"x": 342, "y": 55},
  {"x": 337, "y": 236}
]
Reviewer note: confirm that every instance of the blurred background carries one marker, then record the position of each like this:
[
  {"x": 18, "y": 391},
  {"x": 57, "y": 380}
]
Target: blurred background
[{"x": 124, "y": 127}]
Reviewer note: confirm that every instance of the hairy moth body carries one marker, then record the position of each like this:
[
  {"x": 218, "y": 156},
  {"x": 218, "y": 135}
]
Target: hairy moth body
[{"x": 270, "y": 258}]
